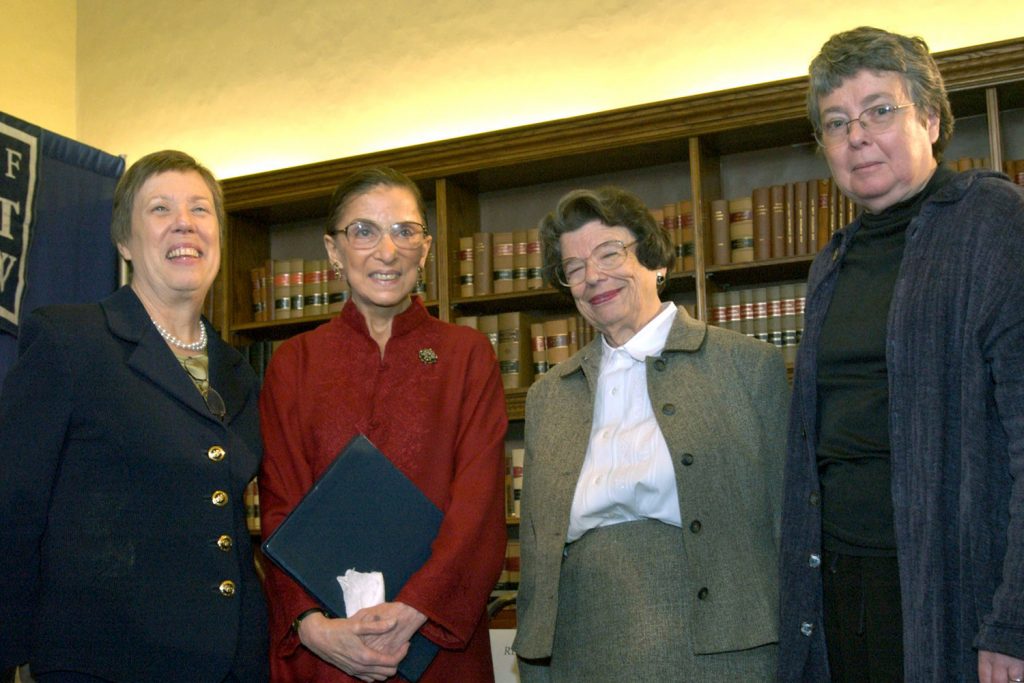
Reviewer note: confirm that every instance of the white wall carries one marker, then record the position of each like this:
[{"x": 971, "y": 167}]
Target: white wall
[{"x": 250, "y": 85}]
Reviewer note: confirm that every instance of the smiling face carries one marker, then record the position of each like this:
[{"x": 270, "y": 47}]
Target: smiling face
[
  {"x": 878, "y": 170},
  {"x": 617, "y": 303},
  {"x": 174, "y": 246},
  {"x": 380, "y": 279}
]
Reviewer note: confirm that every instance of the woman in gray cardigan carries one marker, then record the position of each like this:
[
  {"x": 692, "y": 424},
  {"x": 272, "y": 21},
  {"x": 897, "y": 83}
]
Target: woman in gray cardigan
[{"x": 651, "y": 489}]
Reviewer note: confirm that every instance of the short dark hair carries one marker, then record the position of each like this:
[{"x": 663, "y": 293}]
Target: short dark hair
[
  {"x": 846, "y": 54},
  {"x": 611, "y": 206},
  {"x": 144, "y": 169},
  {"x": 361, "y": 182}
]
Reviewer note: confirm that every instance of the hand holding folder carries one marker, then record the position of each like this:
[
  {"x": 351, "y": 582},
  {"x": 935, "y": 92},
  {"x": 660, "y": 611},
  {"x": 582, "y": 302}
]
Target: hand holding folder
[{"x": 361, "y": 514}]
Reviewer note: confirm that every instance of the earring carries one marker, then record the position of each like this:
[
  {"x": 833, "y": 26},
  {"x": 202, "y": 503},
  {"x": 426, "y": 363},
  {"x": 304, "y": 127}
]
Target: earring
[
  {"x": 337, "y": 270},
  {"x": 421, "y": 284},
  {"x": 659, "y": 279}
]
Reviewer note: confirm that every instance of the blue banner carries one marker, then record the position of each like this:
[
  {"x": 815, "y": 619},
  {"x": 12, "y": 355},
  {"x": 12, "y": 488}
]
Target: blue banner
[
  {"x": 18, "y": 167},
  {"x": 56, "y": 200}
]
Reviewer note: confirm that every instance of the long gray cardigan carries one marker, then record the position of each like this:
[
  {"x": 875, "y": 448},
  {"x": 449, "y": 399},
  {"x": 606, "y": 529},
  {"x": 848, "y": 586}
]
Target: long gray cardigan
[
  {"x": 720, "y": 401},
  {"x": 955, "y": 356}
]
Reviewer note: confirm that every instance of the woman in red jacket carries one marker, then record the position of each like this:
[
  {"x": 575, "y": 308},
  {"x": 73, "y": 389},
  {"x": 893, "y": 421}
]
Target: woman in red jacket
[{"x": 428, "y": 394}]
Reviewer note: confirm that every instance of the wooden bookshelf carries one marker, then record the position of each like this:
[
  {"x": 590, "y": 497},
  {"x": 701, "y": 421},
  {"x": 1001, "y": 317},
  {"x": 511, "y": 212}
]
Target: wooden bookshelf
[{"x": 700, "y": 145}]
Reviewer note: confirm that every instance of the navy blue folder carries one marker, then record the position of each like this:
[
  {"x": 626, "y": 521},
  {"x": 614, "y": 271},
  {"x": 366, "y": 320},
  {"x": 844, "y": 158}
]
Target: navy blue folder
[{"x": 361, "y": 514}]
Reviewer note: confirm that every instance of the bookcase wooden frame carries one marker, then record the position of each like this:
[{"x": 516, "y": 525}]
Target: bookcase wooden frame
[{"x": 699, "y": 129}]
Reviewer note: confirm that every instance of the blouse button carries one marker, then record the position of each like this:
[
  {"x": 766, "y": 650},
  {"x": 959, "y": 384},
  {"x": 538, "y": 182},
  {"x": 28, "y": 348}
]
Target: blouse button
[
  {"x": 225, "y": 543},
  {"x": 227, "y": 588},
  {"x": 687, "y": 459},
  {"x": 702, "y": 594},
  {"x": 216, "y": 453},
  {"x": 807, "y": 628},
  {"x": 669, "y": 409},
  {"x": 660, "y": 364},
  {"x": 219, "y": 498},
  {"x": 695, "y": 526}
]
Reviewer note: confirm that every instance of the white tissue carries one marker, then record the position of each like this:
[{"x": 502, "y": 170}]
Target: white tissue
[{"x": 361, "y": 589}]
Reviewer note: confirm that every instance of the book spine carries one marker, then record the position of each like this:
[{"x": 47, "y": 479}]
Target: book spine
[
  {"x": 518, "y": 456},
  {"x": 312, "y": 288},
  {"x": 824, "y": 217},
  {"x": 282, "y": 290},
  {"x": 258, "y": 279},
  {"x": 777, "y": 209},
  {"x": 295, "y": 267},
  {"x": 789, "y": 320},
  {"x": 482, "y": 255},
  {"x": 790, "y": 221},
  {"x": 556, "y": 340},
  {"x": 337, "y": 293},
  {"x": 488, "y": 325},
  {"x": 761, "y": 201},
  {"x": 761, "y": 314},
  {"x": 467, "y": 270},
  {"x": 538, "y": 349},
  {"x": 534, "y": 260},
  {"x": 720, "y": 231},
  {"x": 812, "y": 217},
  {"x": 686, "y": 238},
  {"x": 520, "y": 259},
  {"x": 774, "y": 297},
  {"x": 503, "y": 263},
  {"x": 515, "y": 357},
  {"x": 741, "y": 230},
  {"x": 800, "y": 217}
]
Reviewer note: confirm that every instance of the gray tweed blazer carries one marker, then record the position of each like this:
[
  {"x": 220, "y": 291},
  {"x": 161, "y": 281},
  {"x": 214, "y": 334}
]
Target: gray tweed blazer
[{"x": 720, "y": 400}]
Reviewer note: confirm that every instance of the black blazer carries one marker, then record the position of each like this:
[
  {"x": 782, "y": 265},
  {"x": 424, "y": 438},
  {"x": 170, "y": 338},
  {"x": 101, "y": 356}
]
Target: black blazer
[{"x": 109, "y": 468}]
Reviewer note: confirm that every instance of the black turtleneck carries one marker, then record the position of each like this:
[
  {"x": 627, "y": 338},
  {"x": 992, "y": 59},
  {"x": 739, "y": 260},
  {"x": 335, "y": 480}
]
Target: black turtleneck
[{"x": 853, "y": 391}]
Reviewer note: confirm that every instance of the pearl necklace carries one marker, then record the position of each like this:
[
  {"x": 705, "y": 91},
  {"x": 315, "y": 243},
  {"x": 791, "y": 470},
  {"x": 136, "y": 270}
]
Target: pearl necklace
[{"x": 171, "y": 339}]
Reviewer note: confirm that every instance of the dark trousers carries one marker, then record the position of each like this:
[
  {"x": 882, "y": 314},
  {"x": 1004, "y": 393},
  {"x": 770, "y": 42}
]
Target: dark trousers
[{"x": 863, "y": 618}]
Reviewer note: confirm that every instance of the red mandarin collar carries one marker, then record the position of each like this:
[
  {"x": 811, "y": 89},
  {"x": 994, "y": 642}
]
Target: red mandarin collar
[{"x": 403, "y": 324}]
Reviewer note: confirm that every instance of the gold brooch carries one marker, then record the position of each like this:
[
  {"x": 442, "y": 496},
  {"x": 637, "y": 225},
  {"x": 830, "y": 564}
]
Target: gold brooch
[{"x": 427, "y": 356}]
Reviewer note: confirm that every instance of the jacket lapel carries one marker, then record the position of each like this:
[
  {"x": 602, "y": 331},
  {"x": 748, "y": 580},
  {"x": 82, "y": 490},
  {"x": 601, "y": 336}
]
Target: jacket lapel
[
  {"x": 128, "y": 320},
  {"x": 225, "y": 375}
]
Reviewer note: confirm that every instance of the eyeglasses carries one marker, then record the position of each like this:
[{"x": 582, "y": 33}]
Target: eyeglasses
[
  {"x": 606, "y": 256},
  {"x": 201, "y": 378},
  {"x": 875, "y": 119},
  {"x": 367, "y": 234}
]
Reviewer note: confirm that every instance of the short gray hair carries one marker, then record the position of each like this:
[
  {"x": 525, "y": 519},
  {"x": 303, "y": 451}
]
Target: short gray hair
[{"x": 846, "y": 54}]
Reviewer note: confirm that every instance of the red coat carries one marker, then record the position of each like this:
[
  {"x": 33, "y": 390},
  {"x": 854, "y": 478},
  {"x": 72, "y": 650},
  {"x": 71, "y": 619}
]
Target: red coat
[{"x": 442, "y": 422}]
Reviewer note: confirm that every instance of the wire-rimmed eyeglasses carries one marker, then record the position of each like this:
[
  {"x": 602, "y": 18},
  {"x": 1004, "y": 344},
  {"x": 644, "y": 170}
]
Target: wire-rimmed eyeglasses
[
  {"x": 605, "y": 256},
  {"x": 835, "y": 130},
  {"x": 367, "y": 234},
  {"x": 201, "y": 378}
]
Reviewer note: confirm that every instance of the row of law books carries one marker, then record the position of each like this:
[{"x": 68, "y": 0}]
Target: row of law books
[
  {"x": 676, "y": 219},
  {"x": 499, "y": 262},
  {"x": 794, "y": 219},
  {"x": 295, "y": 288},
  {"x": 528, "y": 345},
  {"x": 773, "y": 314}
]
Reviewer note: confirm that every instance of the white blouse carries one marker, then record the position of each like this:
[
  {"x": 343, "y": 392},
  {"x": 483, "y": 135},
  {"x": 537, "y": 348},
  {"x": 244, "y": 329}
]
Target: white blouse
[{"x": 627, "y": 474}]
